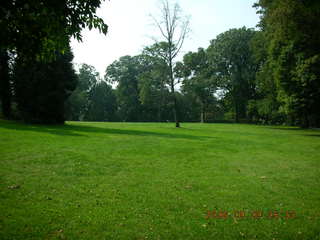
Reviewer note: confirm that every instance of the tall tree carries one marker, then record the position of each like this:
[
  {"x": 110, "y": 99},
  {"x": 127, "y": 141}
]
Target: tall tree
[
  {"x": 174, "y": 29},
  {"x": 5, "y": 86},
  {"x": 88, "y": 77},
  {"x": 154, "y": 83},
  {"x": 77, "y": 104},
  {"x": 265, "y": 108},
  {"x": 102, "y": 104},
  {"x": 293, "y": 35},
  {"x": 41, "y": 88},
  {"x": 124, "y": 72},
  {"x": 231, "y": 59},
  {"x": 198, "y": 79},
  {"x": 46, "y": 26},
  {"x": 37, "y": 29}
]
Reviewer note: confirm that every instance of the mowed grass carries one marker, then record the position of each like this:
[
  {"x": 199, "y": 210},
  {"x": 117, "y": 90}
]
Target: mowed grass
[{"x": 153, "y": 181}]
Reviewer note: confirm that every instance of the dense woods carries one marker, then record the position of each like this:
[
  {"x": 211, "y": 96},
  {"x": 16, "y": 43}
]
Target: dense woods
[{"x": 268, "y": 75}]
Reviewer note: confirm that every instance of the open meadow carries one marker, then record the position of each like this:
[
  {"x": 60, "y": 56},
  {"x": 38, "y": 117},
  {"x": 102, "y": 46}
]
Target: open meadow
[{"x": 153, "y": 181}]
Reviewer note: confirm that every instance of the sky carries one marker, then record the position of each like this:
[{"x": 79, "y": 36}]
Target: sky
[{"x": 131, "y": 27}]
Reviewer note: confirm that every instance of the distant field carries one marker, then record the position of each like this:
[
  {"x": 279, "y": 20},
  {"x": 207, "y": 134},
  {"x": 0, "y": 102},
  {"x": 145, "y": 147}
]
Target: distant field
[{"x": 153, "y": 181}]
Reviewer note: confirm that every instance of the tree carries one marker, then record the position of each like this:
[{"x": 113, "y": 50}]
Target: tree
[
  {"x": 102, "y": 104},
  {"x": 231, "y": 59},
  {"x": 125, "y": 72},
  {"x": 88, "y": 77},
  {"x": 153, "y": 84},
  {"x": 293, "y": 35},
  {"x": 5, "y": 86},
  {"x": 265, "y": 108},
  {"x": 174, "y": 29},
  {"x": 42, "y": 88},
  {"x": 46, "y": 25},
  {"x": 77, "y": 104},
  {"x": 198, "y": 81},
  {"x": 38, "y": 29}
]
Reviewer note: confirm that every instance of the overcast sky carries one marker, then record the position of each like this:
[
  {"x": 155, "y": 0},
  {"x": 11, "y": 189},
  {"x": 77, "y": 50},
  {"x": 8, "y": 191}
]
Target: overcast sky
[{"x": 131, "y": 27}]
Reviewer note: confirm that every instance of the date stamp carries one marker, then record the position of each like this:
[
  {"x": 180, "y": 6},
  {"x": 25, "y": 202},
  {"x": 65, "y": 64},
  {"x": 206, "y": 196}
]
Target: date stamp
[{"x": 256, "y": 214}]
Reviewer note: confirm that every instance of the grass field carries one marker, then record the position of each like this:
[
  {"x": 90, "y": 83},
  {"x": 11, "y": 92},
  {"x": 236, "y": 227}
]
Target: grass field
[{"x": 152, "y": 181}]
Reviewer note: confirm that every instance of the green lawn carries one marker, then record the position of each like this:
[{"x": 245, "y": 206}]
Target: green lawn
[{"x": 153, "y": 181}]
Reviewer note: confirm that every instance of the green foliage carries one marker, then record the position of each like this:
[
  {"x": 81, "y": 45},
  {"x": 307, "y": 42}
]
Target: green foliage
[
  {"x": 36, "y": 31},
  {"x": 265, "y": 108},
  {"x": 5, "y": 86},
  {"x": 102, "y": 103},
  {"x": 88, "y": 77},
  {"x": 153, "y": 84},
  {"x": 77, "y": 104},
  {"x": 41, "y": 88},
  {"x": 231, "y": 60},
  {"x": 174, "y": 28},
  {"x": 125, "y": 72},
  {"x": 46, "y": 25},
  {"x": 142, "y": 86},
  {"x": 293, "y": 35},
  {"x": 199, "y": 82}
]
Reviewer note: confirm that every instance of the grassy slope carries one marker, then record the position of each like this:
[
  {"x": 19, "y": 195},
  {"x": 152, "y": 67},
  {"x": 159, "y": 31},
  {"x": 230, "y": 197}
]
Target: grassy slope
[{"x": 152, "y": 181}]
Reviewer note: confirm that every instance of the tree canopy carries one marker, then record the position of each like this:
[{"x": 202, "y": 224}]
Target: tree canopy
[{"x": 37, "y": 35}]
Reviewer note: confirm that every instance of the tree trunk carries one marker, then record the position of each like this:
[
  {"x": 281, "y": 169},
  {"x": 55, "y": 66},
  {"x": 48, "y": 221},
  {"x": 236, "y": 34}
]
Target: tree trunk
[
  {"x": 237, "y": 117},
  {"x": 5, "y": 89},
  {"x": 203, "y": 112},
  {"x": 305, "y": 120},
  {"x": 175, "y": 115},
  {"x": 237, "y": 113},
  {"x": 175, "y": 105},
  {"x": 175, "y": 111},
  {"x": 160, "y": 103},
  {"x": 159, "y": 112}
]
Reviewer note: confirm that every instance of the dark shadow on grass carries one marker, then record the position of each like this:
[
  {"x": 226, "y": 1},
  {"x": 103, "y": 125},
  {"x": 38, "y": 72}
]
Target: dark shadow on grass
[
  {"x": 53, "y": 129},
  {"x": 297, "y": 129},
  {"x": 311, "y": 135},
  {"x": 287, "y": 128},
  {"x": 116, "y": 131},
  {"x": 82, "y": 131}
]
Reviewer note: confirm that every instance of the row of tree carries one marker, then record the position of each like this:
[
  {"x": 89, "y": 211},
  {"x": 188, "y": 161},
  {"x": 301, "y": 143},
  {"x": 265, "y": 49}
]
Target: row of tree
[{"x": 268, "y": 76}]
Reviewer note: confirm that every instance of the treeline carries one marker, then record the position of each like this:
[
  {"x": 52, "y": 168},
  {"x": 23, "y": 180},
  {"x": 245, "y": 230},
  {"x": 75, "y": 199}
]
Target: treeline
[
  {"x": 214, "y": 84},
  {"x": 267, "y": 76}
]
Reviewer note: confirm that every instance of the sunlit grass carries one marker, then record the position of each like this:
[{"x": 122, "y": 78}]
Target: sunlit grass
[{"x": 153, "y": 181}]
